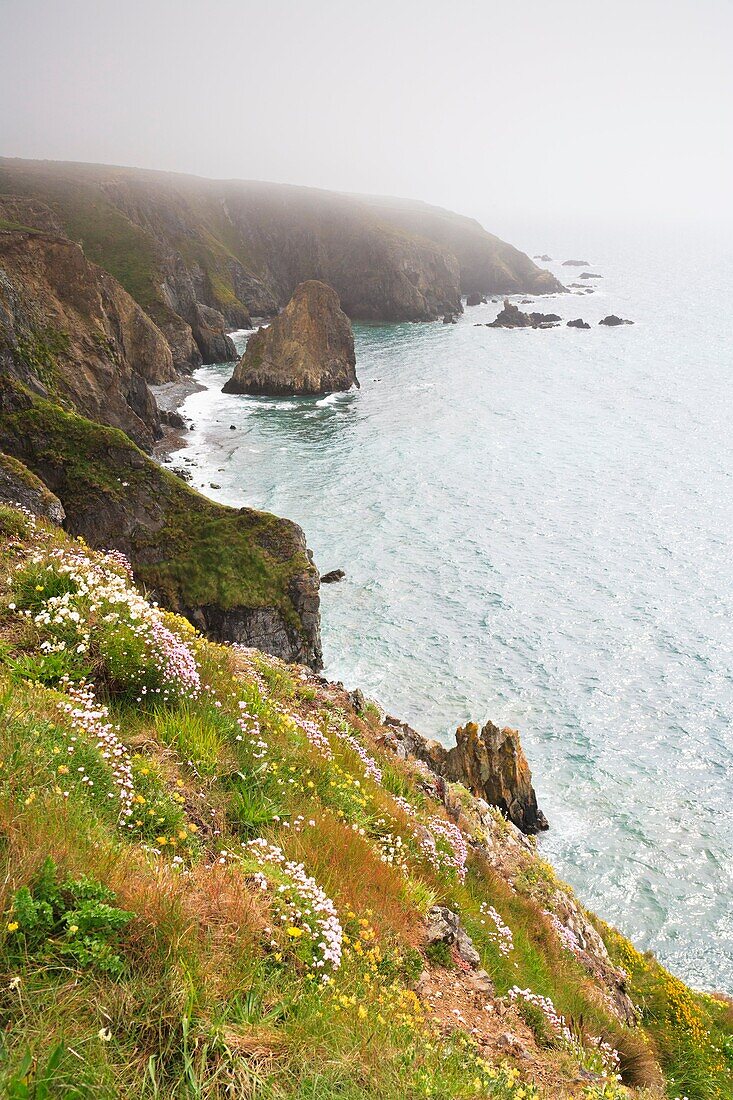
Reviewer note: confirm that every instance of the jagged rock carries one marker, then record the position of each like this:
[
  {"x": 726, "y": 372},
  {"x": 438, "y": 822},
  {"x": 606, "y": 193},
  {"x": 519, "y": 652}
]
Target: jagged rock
[
  {"x": 575, "y": 263},
  {"x": 449, "y": 319},
  {"x": 578, "y": 323},
  {"x": 612, "y": 320},
  {"x": 308, "y": 349},
  {"x": 333, "y": 576},
  {"x": 475, "y": 299},
  {"x": 19, "y": 486},
  {"x": 512, "y": 316},
  {"x": 171, "y": 418},
  {"x": 589, "y": 275},
  {"x": 491, "y": 763},
  {"x": 545, "y": 259}
]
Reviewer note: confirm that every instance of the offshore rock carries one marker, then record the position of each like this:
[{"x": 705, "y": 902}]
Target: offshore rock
[
  {"x": 450, "y": 319},
  {"x": 575, "y": 263},
  {"x": 578, "y": 323},
  {"x": 512, "y": 316},
  {"x": 333, "y": 576},
  {"x": 18, "y": 486},
  {"x": 612, "y": 320},
  {"x": 307, "y": 350},
  {"x": 475, "y": 299},
  {"x": 589, "y": 275}
]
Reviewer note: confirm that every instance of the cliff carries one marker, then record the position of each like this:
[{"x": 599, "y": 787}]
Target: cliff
[
  {"x": 308, "y": 349},
  {"x": 239, "y": 575},
  {"x": 201, "y": 256},
  {"x": 70, "y": 332},
  {"x": 221, "y": 875}
]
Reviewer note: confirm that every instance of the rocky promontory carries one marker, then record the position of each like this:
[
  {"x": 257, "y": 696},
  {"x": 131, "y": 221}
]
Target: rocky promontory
[{"x": 307, "y": 350}]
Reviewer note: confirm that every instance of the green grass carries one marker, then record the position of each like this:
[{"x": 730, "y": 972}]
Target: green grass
[
  {"x": 192, "y": 986},
  {"x": 193, "y": 552}
]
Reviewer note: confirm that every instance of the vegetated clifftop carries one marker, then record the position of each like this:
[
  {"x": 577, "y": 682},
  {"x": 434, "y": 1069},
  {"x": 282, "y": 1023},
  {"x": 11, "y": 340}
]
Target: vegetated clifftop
[
  {"x": 223, "y": 876},
  {"x": 238, "y": 574},
  {"x": 202, "y": 255},
  {"x": 307, "y": 349},
  {"x": 69, "y": 331}
]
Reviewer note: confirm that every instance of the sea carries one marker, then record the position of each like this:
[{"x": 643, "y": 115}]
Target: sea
[{"x": 535, "y": 527}]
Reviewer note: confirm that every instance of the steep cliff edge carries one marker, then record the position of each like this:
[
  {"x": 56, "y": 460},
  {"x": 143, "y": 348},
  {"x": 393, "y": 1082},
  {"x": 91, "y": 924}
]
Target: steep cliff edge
[
  {"x": 308, "y": 349},
  {"x": 219, "y": 873},
  {"x": 239, "y": 575},
  {"x": 70, "y": 332},
  {"x": 202, "y": 255}
]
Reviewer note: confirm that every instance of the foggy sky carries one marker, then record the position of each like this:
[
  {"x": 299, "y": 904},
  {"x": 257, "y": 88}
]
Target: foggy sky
[{"x": 587, "y": 109}]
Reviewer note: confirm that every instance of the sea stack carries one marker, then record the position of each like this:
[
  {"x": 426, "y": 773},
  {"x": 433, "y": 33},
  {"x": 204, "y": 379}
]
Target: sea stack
[{"x": 308, "y": 350}]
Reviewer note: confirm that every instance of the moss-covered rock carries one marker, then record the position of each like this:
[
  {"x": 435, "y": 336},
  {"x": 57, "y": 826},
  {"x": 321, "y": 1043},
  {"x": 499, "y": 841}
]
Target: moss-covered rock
[
  {"x": 240, "y": 575},
  {"x": 19, "y": 487}
]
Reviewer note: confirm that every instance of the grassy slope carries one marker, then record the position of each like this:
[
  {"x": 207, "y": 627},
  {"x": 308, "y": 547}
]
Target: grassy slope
[
  {"x": 213, "y": 995},
  {"x": 194, "y": 552}
]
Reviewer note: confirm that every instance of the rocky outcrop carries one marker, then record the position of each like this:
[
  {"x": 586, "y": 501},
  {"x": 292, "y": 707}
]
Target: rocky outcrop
[
  {"x": 575, "y": 263},
  {"x": 18, "y": 486},
  {"x": 333, "y": 576},
  {"x": 69, "y": 331},
  {"x": 181, "y": 245},
  {"x": 238, "y": 574},
  {"x": 589, "y": 275},
  {"x": 443, "y": 926},
  {"x": 511, "y": 316},
  {"x": 450, "y": 319},
  {"x": 308, "y": 349},
  {"x": 492, "y": 764},
  {"x": 545, "y": 259},
  {"x": 475, "y": 299},
  {"x": 578, "y": 323},
  {"x": 612, "y": 321},
  {"x": 489, "y": 762}
]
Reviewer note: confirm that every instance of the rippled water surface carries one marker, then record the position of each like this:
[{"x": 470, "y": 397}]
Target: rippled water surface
[{"x": 535, "y": 527}]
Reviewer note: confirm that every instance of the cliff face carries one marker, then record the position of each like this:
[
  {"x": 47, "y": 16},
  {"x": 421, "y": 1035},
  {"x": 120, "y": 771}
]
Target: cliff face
[
  {"x": 201, "y": 255},
  {"x": 308, "y": 349},
  {"x": 68, "y": 330},
  {"x": 239, "y": 575}
]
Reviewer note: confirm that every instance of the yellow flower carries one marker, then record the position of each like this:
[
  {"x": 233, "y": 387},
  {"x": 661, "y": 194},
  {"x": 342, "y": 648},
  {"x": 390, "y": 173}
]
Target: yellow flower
[
  {"x": 295, "y": 933},
  {"x": 362, "y": 1012},
  {"x": 73, "y": 928},
  {"x": 161, "y": 840},
  {"x": 13, "y": 926}
]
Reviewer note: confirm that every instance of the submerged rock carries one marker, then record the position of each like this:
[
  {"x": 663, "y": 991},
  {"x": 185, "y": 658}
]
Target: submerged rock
[
  {"x": 612, "y": 320},
  {"x": 307, "y": 350},
  {"x": 578, "y": 323}
]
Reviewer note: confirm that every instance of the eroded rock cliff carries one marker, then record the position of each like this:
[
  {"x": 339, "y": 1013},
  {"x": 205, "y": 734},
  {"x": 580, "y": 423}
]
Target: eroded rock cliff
[
  {"x": 69, "y": 331},
  {"x": 202, "y": 255}
]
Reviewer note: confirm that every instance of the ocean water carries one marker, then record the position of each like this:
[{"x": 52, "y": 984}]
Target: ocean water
[{"x": 536, "y": 528}]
